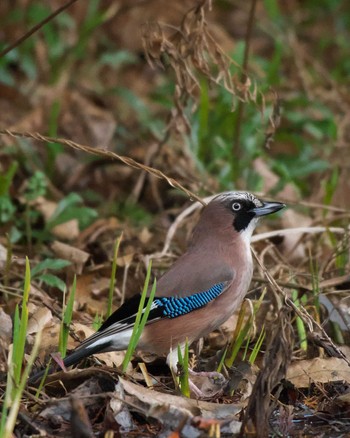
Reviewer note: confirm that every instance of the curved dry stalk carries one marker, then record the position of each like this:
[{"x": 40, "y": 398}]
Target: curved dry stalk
[{"x": 106, "y": 154}]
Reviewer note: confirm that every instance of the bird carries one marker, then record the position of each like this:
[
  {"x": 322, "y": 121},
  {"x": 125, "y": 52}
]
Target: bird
[{"x": 199, "y": 292}]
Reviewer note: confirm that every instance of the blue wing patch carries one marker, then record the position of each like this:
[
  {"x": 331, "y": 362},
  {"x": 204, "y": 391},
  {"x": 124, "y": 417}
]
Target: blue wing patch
[{"x": 173, "y": 306}]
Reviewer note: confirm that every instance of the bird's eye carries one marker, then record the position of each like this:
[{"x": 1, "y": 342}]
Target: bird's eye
[{"x": 236, "y": 206}]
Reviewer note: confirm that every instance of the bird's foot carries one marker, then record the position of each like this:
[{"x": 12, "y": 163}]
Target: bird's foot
[
  {"x": 210, "y": 374},
  {"x": 208, "y": 389}
]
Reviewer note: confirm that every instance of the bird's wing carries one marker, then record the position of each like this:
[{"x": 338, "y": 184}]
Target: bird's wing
[{"x": 194, "y": 272}]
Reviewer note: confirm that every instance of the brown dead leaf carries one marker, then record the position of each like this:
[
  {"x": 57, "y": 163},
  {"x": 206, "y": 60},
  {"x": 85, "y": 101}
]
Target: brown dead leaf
[
  {"x": 61, "y": 409},
  {"x": 49, "y": 340},
  {"x": 74, "y": 255},
  {"x": 150, "y": 401},
  {"x": 100, "y": 287},
  {"x": 343, "y": 399},
  {"x": 145, "y": 236},
  {"x": 323, "y": 370},
  {"x": 6, "y": 327},
  {"x": 84, "y": 121},
  {"x": 41, "y": 317},
  {"x": 66, "y": 231},
  {"x": 93, "y": 231},
  {"x": 120, "y": 409},
  {"x": 84, "y": 298},
  {"x": 3, "y": 257}
]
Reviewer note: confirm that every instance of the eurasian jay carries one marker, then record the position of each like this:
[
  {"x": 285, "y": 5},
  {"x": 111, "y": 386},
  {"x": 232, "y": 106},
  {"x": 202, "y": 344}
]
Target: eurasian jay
[{"x": 199, "y": 292}]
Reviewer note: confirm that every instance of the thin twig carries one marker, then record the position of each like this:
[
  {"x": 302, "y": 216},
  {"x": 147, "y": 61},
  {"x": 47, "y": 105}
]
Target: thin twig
[
  {"x": 240, "y": 107},
  {"x": 106, "y": 154},
  {"x": 35, "y": 28}
]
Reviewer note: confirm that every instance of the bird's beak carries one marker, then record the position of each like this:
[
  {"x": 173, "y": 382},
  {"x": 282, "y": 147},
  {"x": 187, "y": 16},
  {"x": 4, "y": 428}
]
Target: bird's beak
[{"x": 267, "y": 208}]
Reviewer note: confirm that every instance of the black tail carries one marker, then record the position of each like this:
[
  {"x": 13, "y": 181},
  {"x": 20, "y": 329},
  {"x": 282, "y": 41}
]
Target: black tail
[{"x": 73, "y": 358}]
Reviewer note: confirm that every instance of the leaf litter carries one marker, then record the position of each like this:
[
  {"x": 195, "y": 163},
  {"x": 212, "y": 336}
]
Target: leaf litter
[{"x": 289, "y": 390}]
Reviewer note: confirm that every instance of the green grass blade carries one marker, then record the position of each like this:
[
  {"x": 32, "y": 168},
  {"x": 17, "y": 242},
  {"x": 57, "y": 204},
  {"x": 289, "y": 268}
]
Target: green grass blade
[
  {"x": 140, "y": 317},
  {"x": 20, "y": 331},
  {"x": 300, "y": 324},
  {"x": 184, "y": 374},
  {"x": 222, "y": 360},
  {"x": 8, "y": 421},
  {"x": 66, "y": 320},
  {"x": 241, "y": 331},
  {"x": 257, "y": 346}
]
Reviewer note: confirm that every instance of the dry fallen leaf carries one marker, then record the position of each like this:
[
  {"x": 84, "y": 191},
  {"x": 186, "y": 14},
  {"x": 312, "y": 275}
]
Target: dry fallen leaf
[
  {"x": 150, "y": 401},
  {"x": 41, "y": 317},
  {"x": 3, "y": 257},
  {"x": 322, "y": 370},
  {"x": 6, "y": 327},
  {"x": 72, "y": 254},
  {"x": 86, "y": 295},
  {"x": 68, "y": 230}
]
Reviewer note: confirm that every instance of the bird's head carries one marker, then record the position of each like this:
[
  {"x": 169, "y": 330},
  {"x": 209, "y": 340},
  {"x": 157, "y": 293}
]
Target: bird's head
[{"x": 236, "y": 213}]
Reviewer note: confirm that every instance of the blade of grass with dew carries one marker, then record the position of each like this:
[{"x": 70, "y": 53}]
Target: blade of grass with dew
[
  {"x": 184, "y": 373},
  {"x": 66, "y": 320},
  {"x": 141, "y": 318},
  {"x": 113, "y": 273},
  {"x": 300, "y": 324}
]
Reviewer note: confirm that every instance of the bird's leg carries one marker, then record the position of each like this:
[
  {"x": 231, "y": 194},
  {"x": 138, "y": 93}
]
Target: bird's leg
[
  {"x": 172, "y": 361},
  {"x": 213, "y": 391}
]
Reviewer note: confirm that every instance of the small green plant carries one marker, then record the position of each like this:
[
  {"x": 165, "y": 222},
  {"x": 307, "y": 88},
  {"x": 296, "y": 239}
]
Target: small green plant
[
  {"x": 66, "y": 320},
  {"x": 16, "y": 376},
  {"x": 97, "y": 322},
  {"x": 39, "y": 272},
  {"x": 70, "y": 207},
  {"x": 242, "y": 330},
  {"x": 23, "y": 226},
  {"x": 141, "y": 317},
  {"x": 299, "y": 322}
]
